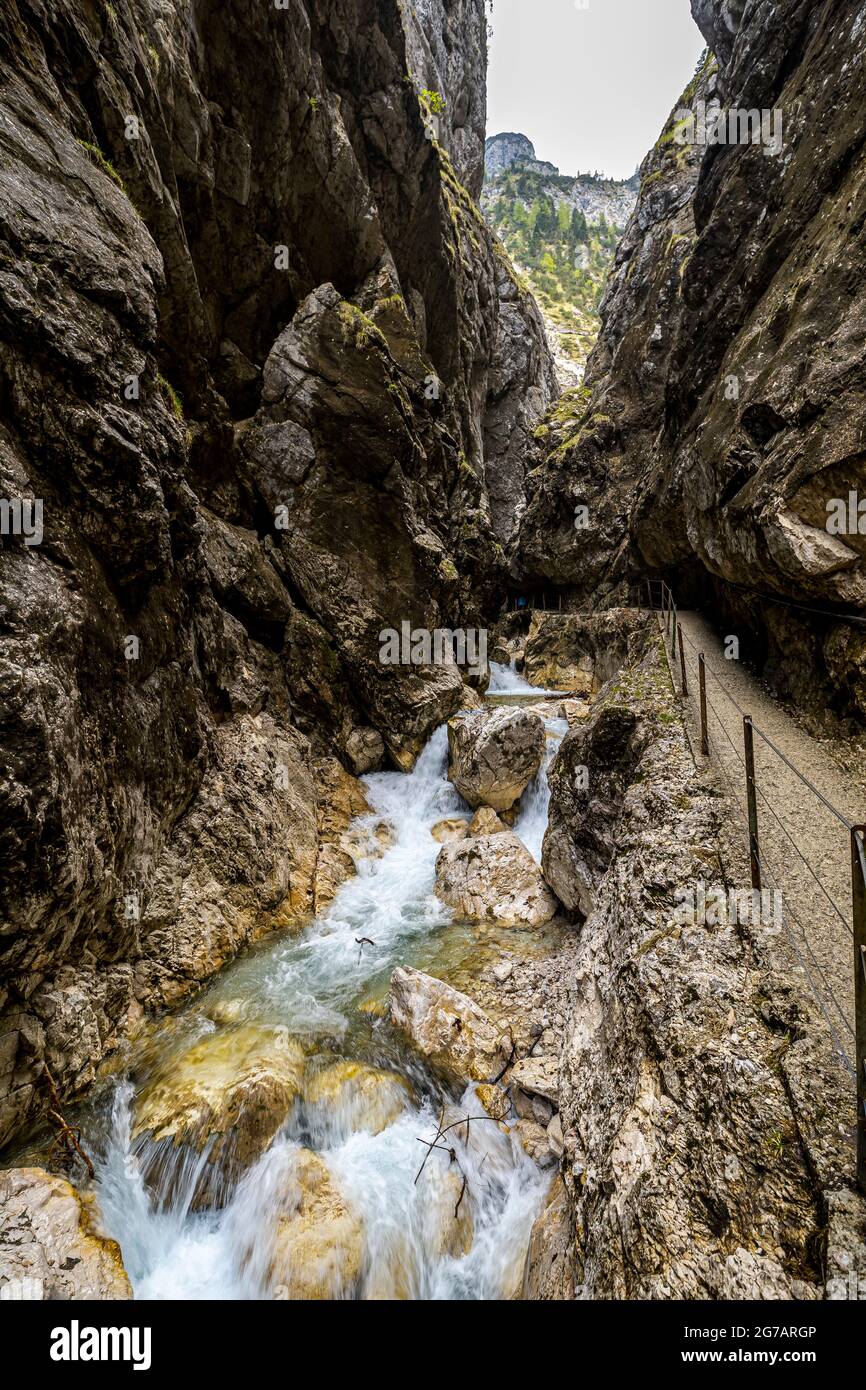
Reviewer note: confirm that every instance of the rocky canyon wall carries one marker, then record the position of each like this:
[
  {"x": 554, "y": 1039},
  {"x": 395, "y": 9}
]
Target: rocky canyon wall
[
  {"x": 260, "y": 364},
  {"x": 696, "y": 1076},
  {"x": 723, "y": 424}
]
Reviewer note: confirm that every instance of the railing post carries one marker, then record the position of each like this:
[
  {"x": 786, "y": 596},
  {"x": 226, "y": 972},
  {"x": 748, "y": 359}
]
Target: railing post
[
  {"x": 683, "y": 663},
  {"x": 752, "y": 799},
  {"x": 702, "y": 675},
  {"x": 674, "y": 627},
  {"x": 858, "y": 888}
]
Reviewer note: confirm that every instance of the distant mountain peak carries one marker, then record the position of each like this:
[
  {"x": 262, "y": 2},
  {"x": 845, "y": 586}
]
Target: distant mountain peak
[
  {"x": 508, "y": 148},
  {"x": 561, "y": 232}
]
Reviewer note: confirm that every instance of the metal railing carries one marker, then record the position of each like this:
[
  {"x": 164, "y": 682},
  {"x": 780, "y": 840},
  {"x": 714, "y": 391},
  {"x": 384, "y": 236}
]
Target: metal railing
[{"x": 852, "y": 1053}]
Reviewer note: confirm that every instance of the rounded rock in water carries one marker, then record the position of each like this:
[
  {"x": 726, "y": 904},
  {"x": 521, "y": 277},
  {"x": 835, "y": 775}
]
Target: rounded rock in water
[{"x": 214, "y": 1109}]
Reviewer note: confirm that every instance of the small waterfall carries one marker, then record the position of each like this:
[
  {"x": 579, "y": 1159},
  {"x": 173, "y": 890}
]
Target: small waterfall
[
  {"x": 531, "y": 821},
  {"x": 506, "y": 680},
  {"x": 313, "y": 984}
]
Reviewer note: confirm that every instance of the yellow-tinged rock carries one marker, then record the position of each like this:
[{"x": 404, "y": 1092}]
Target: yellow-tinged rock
[
  {"x": 550, "y": 1265},
  {"x": 318, "y": 1241},
  {"x": 226, "y": 1011},
  {"x": 361, "y": 1096},
  {"x": 455, "y": 828},
  {"x": 51, "y": 1245},
  {"x": 486, "y": 822},
  {"x": 448, "y": 1225},
  {"x": 393, "y": 1274},
  {"x": 494, "y": 1100},
  {"x": 377, "y": 1007},
  {"x": 231, "y": 1091}
]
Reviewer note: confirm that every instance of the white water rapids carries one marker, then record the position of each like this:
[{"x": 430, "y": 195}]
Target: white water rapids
[{"x": 313, "y": 984}]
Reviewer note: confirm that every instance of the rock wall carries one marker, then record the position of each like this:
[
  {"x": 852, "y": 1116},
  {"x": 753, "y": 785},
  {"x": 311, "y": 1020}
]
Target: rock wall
[
  {"x": 689, "y": 1167},
  {"x": 726, "y": 405},
  {"x": 252, "y": 336}
]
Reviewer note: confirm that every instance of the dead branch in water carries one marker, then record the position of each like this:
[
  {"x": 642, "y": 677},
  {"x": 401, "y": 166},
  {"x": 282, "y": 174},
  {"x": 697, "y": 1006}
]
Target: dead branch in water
[
  {"x": 512, "y": 1054},
  {"x": 68, "y": 1136},
  {"x": 363, "y": 941},
  {"x": 434, "y": 1143}
]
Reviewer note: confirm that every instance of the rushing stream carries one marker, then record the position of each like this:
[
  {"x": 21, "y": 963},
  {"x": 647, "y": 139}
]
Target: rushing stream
[{"x": 323, "y": 987}]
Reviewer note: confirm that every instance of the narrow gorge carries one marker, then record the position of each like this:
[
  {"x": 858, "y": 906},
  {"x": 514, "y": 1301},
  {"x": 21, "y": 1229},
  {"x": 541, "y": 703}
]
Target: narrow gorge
[{"x": 357, "y": 823}]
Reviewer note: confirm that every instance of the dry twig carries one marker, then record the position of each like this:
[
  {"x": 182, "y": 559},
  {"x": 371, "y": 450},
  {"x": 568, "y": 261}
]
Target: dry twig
[{"x": 68, "y": 1136}]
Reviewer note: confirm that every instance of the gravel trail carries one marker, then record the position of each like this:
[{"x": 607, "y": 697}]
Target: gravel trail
[{"x": 794, "y": 824}]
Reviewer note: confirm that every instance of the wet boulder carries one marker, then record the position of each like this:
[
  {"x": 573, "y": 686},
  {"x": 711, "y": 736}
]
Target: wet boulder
[
  {"x": 348, "y": 1095},
  {"x": 494, "y": 754},
  {"x": 214, "y": 1109},
  {"x": 486, "y": 822},
  {"x": 446, "y": 1027},
  {"x": 455, "y": 828},
  {"x": 494, "y": 878},
  {"x": 318, "y": 1238}
]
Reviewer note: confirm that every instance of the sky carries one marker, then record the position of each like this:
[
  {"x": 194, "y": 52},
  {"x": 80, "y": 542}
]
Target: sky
[{"x": 591, "y": 82}]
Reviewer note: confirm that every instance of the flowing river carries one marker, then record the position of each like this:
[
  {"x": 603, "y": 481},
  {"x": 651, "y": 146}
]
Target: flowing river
[{"x": 326, "y": 990}]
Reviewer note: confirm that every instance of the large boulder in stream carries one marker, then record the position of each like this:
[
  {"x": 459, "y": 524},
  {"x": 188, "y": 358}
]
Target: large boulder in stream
[
  {"x": 347, "y": 1095},
  {"x": 50, "y": 1243},
  {"x": 318, "y": 1241},
  {"x": 494, "y": 878},
  {"x": 494, "y": 754},
  {"x": 446, "y": 1027},
  {"x": 222, "y": 1099}
]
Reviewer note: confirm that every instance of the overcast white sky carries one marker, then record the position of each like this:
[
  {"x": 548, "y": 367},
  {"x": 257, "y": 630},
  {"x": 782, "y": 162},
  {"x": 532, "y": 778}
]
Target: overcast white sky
[{"x": 590, "y": 87}]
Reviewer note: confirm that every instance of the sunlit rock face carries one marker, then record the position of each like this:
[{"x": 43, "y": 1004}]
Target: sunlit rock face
[
  {"x": 723, "y": 426},
  {"x": 51, "y": 1245},
  {"x": 494, "y": 878},
  {"x": 252, "y": 332},
  {"x": 494, "y": 754}
]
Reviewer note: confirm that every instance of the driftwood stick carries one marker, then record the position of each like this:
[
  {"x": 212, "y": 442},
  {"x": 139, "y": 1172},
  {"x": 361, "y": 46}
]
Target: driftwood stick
[
  {"x": 435, "y": 1143},
  {"x": 67, "y": 1135}
]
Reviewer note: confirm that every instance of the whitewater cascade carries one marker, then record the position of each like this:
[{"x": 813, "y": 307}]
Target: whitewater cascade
[{"x": 316, "y": 984}]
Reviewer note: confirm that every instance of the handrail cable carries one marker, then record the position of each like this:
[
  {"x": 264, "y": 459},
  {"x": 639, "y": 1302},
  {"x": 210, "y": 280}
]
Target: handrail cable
[
  {"x": 785, "y": 831},
  {"x": 829, "y": 988},
  {"x": 843, "y": 820},
  {"x": 815, "y": 991}
]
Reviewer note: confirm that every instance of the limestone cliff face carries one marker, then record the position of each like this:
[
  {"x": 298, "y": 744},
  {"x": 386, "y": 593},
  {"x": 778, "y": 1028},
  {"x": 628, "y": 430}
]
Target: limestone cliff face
[
  {"x": 727, "y": 391},
  {"x": 506, "y": 149},
  {"x": 692, "y": 1057},
  {"x": 253, "y": 332}
]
